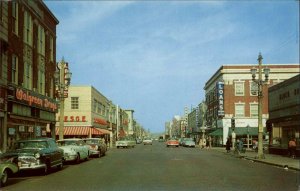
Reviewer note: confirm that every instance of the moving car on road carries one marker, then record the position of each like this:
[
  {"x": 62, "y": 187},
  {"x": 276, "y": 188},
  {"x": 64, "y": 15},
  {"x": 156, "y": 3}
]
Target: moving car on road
[
  {"x": 75, "y": 150},
  {"x": 172, "y": 142},
  {"x": 96, "y": 146},
  {"x": 7, "y": 168},
  {"x": 38, "y": 153},
  {"x": 125, "y": 142},
  {"x": 147, "y": 141},
  {"x": 188, "y": 142}
]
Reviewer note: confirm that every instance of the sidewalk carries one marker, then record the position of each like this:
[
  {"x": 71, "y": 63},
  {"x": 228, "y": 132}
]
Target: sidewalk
[{"x": 271, "y": 159}]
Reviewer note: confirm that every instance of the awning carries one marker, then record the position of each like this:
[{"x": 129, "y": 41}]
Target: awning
[
  {"x": 79, "y": 130},
  {"x": 218, "y": 132},
  {"x": 103, "y": 131},
  {"x": 238, "y": 131}
]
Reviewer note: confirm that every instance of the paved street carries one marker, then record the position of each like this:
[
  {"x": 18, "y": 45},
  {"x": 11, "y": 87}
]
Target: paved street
[{"x": 155, "y": 167}]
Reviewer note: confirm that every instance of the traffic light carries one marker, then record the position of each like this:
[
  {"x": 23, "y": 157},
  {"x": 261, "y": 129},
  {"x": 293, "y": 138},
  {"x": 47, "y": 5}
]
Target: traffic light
[{"x": 232, "y": 123}]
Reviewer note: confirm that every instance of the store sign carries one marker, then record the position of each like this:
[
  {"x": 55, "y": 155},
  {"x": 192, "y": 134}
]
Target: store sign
[
  {"x": 74, "y": 118},
  {"x": 34, "y": 99},
  {"x": 220, "y": 94}
]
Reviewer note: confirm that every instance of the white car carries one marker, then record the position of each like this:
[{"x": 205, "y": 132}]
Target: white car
[
  {"x": 75, "y": 150},
  {"x": 125, "y": 142},
  {"x": 147, "y": 141}
]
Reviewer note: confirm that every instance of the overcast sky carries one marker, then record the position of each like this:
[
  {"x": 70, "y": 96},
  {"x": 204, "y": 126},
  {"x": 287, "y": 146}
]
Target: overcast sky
[{"x": 155, "y": 56}]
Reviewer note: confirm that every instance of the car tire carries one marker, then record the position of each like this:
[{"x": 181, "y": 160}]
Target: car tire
[
  {"x": 77, "y": 161},
  {"x": 61, "y": 166},
  {"x": 99, "y": 155},
  {"x": 47, "y": 168},
  {"x": 4, "y": 178}
]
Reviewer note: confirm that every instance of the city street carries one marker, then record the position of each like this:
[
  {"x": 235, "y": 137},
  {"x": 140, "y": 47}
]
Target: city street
[{"x": 156, "y": 167}]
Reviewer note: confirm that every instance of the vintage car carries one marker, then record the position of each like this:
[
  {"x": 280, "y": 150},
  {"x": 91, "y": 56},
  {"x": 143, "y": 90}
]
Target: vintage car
[
  {"x": 75, "y": 150},
  {"x": 172, "y": 142},
  {"x": 147, "y": 141},
  {"x": 125, "y": 142},
  {"x": 96, "y": 146},
  {"x": 7, "y": 168},
  {"x": 188, "y": 142},
  {"x": 37, "y": 153}
]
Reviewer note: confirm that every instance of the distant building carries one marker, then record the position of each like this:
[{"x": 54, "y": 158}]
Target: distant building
[
  {"x": 284, "y": 119},
  {"x": 230, "y": 92}
]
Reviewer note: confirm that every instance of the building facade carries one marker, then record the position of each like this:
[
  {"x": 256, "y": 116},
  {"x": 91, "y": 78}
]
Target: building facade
[
  {"x": 231, "y": 93},
  {"x": 284, "y": 111},
  {"x": 28, "y": 52}
]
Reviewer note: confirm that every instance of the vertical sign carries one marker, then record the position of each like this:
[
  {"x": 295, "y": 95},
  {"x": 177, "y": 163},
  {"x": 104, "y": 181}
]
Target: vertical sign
[{"x": 220, "y": 97}]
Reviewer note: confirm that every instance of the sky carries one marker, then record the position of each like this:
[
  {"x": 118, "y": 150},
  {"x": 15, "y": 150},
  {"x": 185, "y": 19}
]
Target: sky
[{"x": 155, "y": 56}]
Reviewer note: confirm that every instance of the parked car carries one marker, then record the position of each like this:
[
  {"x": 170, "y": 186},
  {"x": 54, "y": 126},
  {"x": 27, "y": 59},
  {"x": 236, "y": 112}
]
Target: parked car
[
  {"x": 188, "y": 142},
  {"x": 147, "y": 141},
  {"x": 180, "y": 140},
  {"x": 125, "y": 142},
  {"x": 172, "y": 142},
  {"x": 96, "y": 146},
  {"x": 75, "y": 150},
  {"x": 139, "y": 141},
  {"x": 8, "y": 167},
  {"x": 38, "y": 153}
]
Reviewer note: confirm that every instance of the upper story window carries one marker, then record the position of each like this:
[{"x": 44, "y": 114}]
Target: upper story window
[
  {"x": 253, "y": 88},
  {"x": 41, "y": 40},
  {"x": 41, "y": 77},
  {"x": 14, "y": 69},
  {"x": 239, "y": 88},
  {"x": 51, "y": 52},
  {"x": 27, "y": 28},
  {"x": 27, "y": 82},
  {"x": 95, "y": 105},
  {"x": 254, "y": 110},
  {"x": 239, "y": 110},
  {"x": 15, "y": 17},
  {"x": 74, "y": 102}
]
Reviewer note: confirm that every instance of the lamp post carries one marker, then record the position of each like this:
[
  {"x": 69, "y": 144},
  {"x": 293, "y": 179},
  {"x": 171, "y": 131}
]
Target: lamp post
[
  {"x": 260, "y": 83},
  {"x": 62, "y": 77},
  {"x": 248, "y": 136}
]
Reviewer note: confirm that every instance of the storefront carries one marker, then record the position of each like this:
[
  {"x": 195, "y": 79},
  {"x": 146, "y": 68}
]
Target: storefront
[
  {"x": 30, "y": 115},
  {"x": 284, "y": 120}
]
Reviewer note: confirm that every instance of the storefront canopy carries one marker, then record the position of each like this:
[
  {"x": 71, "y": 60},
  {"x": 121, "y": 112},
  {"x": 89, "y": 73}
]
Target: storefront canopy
[
  {"x": 240, "y": 131},
  {"x": 80, "y": 130}
]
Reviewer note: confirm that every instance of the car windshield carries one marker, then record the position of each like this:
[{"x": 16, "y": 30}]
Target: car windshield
[
  {"x": 67, "y": 142},
  {"x": 188, "y": 139},
  {"x": 32, "y": 144}
]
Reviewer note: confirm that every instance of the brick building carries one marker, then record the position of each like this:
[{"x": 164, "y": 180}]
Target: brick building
[
  {"x": 28, "y": 44},
  {"x": 230, "y": 92}
]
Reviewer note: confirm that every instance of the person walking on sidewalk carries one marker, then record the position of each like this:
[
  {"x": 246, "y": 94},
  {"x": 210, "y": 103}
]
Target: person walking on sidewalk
[
  {"x": 292, "y": 147},
  {"x": 228, "y": 145}
]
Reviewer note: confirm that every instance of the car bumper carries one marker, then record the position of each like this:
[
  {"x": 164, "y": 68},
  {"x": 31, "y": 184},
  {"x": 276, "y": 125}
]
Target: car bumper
[
  {"x": 94, "y": 152},
  {"x": 70, "y": 157},
  {"x": 31, "y": 166}
]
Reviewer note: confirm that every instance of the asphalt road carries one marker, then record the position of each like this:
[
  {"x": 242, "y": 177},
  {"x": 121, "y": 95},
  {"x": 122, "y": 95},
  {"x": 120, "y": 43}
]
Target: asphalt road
[{"x": 156, "y": 167}]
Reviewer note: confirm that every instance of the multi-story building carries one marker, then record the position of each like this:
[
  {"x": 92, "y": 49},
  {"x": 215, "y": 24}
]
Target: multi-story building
[
  {"x": 28, "y": 52},
  {"x": 130, "y": 131},
  {"x": 87, "y": 113},
  {"x": 284, "y": 111},
  {"x": 230, "y": 92}
]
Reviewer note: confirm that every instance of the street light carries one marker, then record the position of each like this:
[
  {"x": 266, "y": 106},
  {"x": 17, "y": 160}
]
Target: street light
[
  {"x": 62, "y": 77},
  {"x": 260, "y": 83}
]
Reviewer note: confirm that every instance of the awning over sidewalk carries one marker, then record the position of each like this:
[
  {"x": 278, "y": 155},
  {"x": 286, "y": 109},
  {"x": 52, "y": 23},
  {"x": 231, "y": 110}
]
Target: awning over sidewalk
[
  {"x": 80, "y": 130},
  {"x": 218, "y": 132},
  {"x": 240, "y": 131},
  {"x": 103, "y": 131}
]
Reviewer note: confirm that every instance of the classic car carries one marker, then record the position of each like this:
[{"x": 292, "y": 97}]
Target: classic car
[
  {"x": 7, "y": 168},
  {"x": 125, "y": 142},
  {"x": 96, "y": 146},
  {"x": 172, "y": 142},
  {"x": 37, "y": 153},
  {"x": 188, "y": 142},
  {"x": 147, "y": 141},
  {"x": 75, "y": 150}
]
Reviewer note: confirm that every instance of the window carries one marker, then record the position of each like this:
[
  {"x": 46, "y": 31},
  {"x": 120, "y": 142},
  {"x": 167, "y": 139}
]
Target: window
[
  {"x": 27, "y": 28},
  {"x": 254, "y": 110},
  {"x": 74, "y": 102},
  {"x": 1, "y": 7},
  {"x": 239, "y": 110},
  {"x": 41, "y": 77},
  {"x": 41, "y": 40},
  {"x": 14, "y": 69},
  {"x": 239, "y": 88},
  {"x": 95, "y": 106},
  {"x": 27, "y": 83},
  {"x": 15, "y": 17}
]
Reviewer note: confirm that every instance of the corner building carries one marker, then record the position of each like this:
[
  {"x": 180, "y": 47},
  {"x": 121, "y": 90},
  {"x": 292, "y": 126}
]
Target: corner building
[{"x": 230, "y": 92}]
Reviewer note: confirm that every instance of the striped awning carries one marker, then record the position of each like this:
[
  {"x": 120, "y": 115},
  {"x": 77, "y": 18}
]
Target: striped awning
[{"x": 79, "y": 130}]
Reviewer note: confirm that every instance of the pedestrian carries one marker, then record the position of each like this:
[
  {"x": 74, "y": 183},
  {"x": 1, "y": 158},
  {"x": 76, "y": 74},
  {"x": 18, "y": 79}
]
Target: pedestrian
[
  {"x": 292, "y": 147},
  {"x": 228, "y": 145},
  {"x": 240, "y": 145}
]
